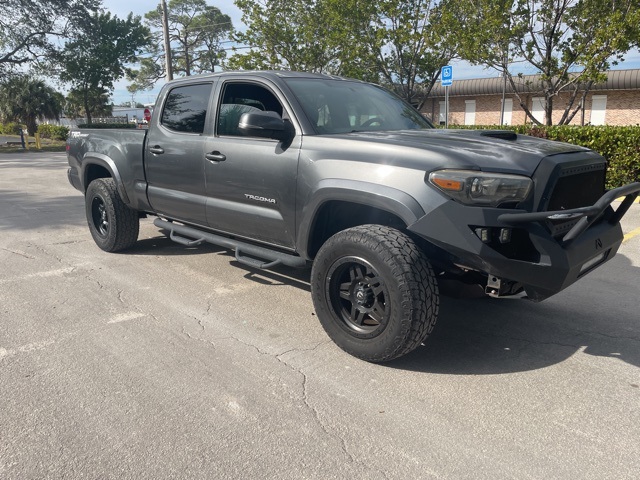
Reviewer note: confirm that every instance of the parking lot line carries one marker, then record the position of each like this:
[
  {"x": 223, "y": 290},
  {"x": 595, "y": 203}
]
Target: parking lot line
[{"x": 631, "y": 234}]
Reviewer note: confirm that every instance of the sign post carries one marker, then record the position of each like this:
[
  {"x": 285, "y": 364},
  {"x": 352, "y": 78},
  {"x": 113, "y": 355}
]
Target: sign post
[{"x": 446, "y": 77}]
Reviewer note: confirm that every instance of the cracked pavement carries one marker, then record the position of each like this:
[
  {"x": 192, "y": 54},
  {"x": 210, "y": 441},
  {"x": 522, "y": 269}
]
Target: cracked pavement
[{"x": 174, "y": 362}]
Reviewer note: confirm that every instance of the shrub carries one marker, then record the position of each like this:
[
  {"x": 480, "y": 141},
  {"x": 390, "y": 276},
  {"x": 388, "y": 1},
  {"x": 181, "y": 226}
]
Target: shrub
[
  {"x": 620, "y": 146},
  {"x": 53, "y": 132},
  {"x": 11, "y": 128}
]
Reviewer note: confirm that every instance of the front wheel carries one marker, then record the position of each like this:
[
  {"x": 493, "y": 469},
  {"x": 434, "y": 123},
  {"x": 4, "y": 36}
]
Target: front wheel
[
  {"x": 114, "y": 226},
  {"x": 375, "y": 292}
]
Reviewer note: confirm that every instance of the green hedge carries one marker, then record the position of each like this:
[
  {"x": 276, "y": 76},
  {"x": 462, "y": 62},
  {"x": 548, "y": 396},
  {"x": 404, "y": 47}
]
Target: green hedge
[
  {"x": 619, "y": 145},
  {"x": 107, "y": 125},
  {"x": 53, "y": 132},
  {"x": 10, "y": 128}
]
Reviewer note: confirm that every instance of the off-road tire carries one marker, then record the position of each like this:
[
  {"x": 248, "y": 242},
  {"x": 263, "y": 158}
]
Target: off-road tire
[
  {"x": 113, "y": 225},
  {"x": 375, "y": 292}
]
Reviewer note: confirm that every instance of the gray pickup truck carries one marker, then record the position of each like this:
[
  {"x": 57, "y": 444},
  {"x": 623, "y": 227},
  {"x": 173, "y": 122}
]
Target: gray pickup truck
[{"x": 293, "y": 169}]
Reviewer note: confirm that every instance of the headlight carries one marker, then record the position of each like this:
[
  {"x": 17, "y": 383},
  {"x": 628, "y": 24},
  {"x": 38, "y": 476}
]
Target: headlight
[{"x": 480, "y": 188}]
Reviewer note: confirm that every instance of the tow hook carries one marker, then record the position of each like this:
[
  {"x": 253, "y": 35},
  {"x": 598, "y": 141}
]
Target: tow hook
[{"x": 493, "y": 286}]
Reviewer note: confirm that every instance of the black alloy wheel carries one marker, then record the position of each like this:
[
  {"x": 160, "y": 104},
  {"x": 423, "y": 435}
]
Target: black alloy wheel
[{"x": 374, "y": 292}]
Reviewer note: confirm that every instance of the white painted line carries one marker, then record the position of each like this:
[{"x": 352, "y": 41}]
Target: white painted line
[
  {"x": 126, "y": 317},
  {"x": 31, "y": 347},
  {"x": 46, "y": 274}
]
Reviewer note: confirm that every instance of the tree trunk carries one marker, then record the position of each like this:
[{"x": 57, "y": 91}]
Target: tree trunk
[
  {"x": 32, "y": 127},
  {"x": 523, "y": 105},
  {"x": 548, "y": 111},
  {"x": 187, "y": 58}
]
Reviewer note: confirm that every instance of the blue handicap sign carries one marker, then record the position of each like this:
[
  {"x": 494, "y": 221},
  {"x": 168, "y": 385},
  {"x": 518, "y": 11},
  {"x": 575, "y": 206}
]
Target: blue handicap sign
[{"x": 446, "y": 76}]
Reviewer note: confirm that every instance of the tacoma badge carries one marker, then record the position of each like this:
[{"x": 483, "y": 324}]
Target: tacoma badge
[{"x": 260, "y": 199}]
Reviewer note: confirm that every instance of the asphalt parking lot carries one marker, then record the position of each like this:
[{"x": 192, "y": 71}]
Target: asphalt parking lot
[{"x": 174, "y": 362}]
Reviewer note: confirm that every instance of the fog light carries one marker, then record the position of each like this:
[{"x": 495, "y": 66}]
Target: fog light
[
  {"x": 593, "y": 262},
  {"x": 484, "y": 234},
  {"x": 505, "y": 235}
]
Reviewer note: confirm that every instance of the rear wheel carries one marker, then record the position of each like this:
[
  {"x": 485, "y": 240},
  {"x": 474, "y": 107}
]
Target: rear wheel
[
  {"x": 375, "y": 292},
  {"x": 113, "y": 225}
]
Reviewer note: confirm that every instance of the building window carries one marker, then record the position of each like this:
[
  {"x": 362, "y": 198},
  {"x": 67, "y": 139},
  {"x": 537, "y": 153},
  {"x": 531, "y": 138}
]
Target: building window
[
  {"x": 537, "y": 109},
  {"x": 508, "y": 111},
  {"x": 469, "y": 112},
  {"x": 598, "y": 109},
  {"x": 441, "y": 117}
]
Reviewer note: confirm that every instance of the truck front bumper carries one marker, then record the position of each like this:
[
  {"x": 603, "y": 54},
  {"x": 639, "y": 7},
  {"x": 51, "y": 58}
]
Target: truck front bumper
[{"x": 519, "y": 247}]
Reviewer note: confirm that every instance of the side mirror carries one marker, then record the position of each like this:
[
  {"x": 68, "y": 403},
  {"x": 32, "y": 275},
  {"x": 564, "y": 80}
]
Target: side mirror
[{"x": 266, "y": 125}]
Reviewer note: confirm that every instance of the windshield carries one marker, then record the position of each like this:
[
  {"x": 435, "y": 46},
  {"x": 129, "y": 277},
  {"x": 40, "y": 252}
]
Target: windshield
[{"x": 337, "y": 106}]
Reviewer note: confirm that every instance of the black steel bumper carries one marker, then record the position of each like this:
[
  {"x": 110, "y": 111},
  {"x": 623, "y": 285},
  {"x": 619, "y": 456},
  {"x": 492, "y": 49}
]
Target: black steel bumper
[{"x": 542, "y": 263}]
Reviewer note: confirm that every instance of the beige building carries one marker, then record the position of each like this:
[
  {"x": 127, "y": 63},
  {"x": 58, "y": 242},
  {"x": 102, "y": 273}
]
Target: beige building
[{"x": 478, "y": 102}]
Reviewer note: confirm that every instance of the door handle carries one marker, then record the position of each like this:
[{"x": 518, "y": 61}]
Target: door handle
[
  {"x": 215, "y": 156},
  {"x": 156, "y": 149}
]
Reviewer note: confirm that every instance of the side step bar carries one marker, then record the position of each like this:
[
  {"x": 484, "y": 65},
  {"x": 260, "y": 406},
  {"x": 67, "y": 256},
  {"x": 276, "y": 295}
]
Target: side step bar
[{"x": 260, "y": 257}]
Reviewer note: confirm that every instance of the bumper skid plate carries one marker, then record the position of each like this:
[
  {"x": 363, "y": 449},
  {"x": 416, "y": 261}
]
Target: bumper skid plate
[{"x": 557, "y": 262}]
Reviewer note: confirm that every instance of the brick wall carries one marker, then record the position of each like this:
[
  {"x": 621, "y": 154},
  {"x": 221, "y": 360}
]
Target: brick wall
[{"x": 622, "y": 108}]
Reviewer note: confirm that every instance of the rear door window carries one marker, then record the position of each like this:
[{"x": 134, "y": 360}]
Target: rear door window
[{"x": 185, "y": 109}]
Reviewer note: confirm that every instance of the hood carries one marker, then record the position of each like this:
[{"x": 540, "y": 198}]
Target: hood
[{"x": 489, "y": 151}]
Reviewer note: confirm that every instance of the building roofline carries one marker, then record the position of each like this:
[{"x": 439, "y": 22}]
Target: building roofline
[{"x": 616, "y": 80}]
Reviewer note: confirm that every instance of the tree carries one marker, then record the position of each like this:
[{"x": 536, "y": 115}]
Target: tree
[
  {"x": 98, "y": 56},
  {"x": 29, "y": 28},
  {"x": 291, "y": 35},
  {"x": 27, "y": 100},
  {"x": 402, "y": 44},
  {"x": 196, "y": 33},
  {"x": 416, "y": 44},
  {"x": 569, "y": 43},
  {"x": 97, "y": 100}
]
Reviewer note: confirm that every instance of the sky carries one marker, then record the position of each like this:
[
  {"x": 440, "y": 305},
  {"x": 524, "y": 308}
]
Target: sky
[{"x": 122, "y": 8}]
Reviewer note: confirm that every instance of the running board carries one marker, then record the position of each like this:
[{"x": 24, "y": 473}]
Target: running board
[{"x": 259, "y": 257}]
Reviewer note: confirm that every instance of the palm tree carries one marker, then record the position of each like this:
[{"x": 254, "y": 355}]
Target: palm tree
[{"x": 27, "y": 100}]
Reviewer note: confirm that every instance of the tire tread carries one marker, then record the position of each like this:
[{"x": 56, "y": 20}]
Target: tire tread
[
  {"x": 411, "y": 268},
  {"x": 124, "y": 219}
]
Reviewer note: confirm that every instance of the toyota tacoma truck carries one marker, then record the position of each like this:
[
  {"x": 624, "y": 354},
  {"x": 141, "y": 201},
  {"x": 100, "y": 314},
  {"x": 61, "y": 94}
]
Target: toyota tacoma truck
[{"x": 305, "y": 169}]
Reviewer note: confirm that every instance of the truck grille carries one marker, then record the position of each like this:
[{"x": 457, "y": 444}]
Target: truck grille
[
  {"x": 576, "y": 187},
  {"x": 581, "y": 189}
]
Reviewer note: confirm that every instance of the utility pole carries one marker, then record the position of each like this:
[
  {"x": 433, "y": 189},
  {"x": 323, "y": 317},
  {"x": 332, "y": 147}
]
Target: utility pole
[
  {"x": 446, "y": 106},
  {"x": 167, "y": 43},
  {"x": 504, "y": 92},
  {"x": 504, "y": 85}
]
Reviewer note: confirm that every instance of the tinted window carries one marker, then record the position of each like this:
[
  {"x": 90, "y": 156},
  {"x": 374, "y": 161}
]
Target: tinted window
[
  {"x": 239, "y": 98},
  {"x": 334, "y": 106},
  {"x": 186, "y": 108}
]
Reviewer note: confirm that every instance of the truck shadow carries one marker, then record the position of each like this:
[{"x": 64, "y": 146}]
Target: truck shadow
[
  {"x": 279, "y": 275},
  {"x": 163, "y": 245},
  {"x": 598, "y": 316},
  {"x": 488, "y": 336},
  {"x": 295, "y": 277}
]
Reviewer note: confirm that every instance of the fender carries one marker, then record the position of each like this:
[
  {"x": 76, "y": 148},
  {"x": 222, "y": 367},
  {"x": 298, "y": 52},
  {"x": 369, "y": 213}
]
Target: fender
[
  {"x": 104, "y": 161},
  {"x": 381, "y": 197}
]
